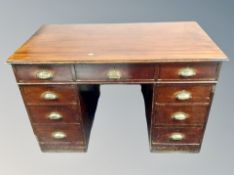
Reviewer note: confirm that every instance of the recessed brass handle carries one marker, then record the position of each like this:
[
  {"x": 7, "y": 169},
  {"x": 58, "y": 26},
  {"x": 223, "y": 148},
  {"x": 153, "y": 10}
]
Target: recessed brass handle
[
  {"x": 55, "y": 116},
  {"x": 187, "y": 72},
  {"x": 177, "y": 136},
  {"x": 114, "y": 74},
  {"x": 49, "y": 95},
  {"x": 179, "y": 116},
  {"x": 44, "y": 74},
  {"x": 58, "y": 135},
  {"x": 183, "y": 95}
]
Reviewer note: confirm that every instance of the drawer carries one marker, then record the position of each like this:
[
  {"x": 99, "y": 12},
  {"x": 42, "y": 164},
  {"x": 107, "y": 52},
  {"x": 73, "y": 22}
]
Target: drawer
[
  {"x": 43, "y": 73},
  {"x": 183, "y": 93},
  {"x": 59, "y": 133},
  {"x": 177, "y": 136},
  {"x": 54, "y": 114},
  {"x": 117, "y": 72},
  {"x": 49, "y": 94},
  {"x": 188, "y": 71},
  {"x": 179, "y": 115}
]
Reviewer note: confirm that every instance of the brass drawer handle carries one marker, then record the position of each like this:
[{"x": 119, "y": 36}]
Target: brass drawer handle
[
  {"x": 183, "y": 95},
  {"x": 44, "y": 74},
  {"x": 179, "y": 116},
  {"x": 55, "y": 116},
  {"x": 58, "y": 135},
  {"x": 49, "y": 95},
  {"x": 187, "y": 72},
  {"x": 114, "y": 74},
  {"x": 177, "y": 136}
]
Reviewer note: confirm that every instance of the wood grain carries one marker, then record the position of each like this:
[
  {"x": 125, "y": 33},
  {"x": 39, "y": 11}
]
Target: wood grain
[{"x": 118, "y": 43}]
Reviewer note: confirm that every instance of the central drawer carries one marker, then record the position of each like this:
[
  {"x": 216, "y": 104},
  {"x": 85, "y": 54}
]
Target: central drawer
[{"x": 115, "y": 72}]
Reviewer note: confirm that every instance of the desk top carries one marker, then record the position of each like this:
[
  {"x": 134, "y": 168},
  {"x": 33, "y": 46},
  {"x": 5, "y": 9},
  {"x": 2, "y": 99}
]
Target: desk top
[{"x": 118, "y": 43}]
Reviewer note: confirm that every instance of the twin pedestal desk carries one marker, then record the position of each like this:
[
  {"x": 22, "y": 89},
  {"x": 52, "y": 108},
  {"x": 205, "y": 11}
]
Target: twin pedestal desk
[{"x": 60, "y": 68}]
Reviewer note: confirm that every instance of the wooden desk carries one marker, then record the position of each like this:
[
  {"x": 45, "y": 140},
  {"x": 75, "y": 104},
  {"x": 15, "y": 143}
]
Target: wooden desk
[{"x": 60, "y": 68}]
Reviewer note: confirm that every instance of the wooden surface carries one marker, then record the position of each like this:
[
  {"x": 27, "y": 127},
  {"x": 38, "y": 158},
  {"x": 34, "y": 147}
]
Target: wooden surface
[{"x": 118, "y": 43}]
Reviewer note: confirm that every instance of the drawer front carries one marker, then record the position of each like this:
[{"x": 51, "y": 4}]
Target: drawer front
[
  {"x": 59, "y": 133},
  {"x": 118, "y": 72},
  {"x": 43, "y": 73},
  {"x": 188, "y": 71},
  {"x": 179, "y": 115},
  {"x": 54, "y": 114},
  {"x": 177, "y": 136},
  {"x": 184, "y": 93},
  {"x": 49, "y": 94}
]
